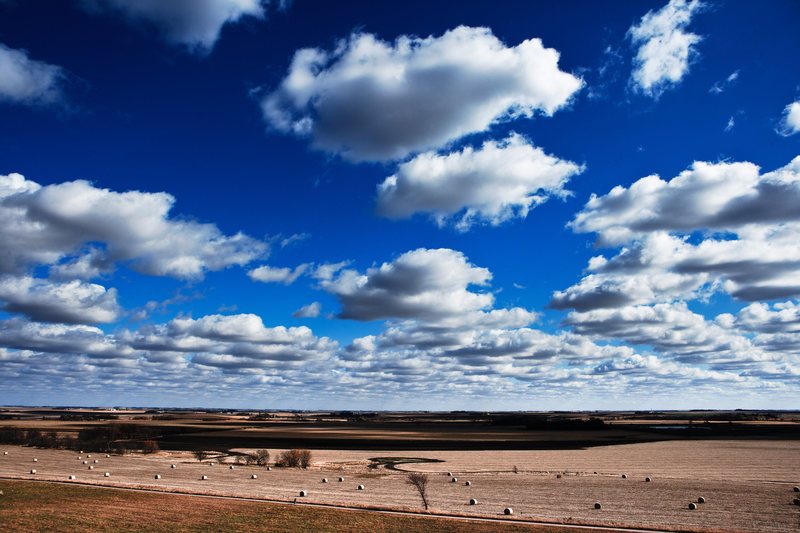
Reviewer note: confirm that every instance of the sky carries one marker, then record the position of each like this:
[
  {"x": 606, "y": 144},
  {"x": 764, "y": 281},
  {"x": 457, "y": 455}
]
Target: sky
[{"x": 400, "y": 205}]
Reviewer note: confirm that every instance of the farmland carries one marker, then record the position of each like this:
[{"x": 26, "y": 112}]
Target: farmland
[{"x": 745, "y": 471}]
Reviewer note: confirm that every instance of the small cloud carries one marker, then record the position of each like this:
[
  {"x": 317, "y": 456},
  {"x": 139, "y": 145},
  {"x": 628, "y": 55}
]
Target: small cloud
[
  {"x": 790, "y": 122},
  {"x": 722, "y": 85},
  {"x": 311, "y": 310},
  {"x": 518, "y": 286},
  {"x": 296, "y": 237},
  {"x": 268, "y": 274},
  {"x": 730, "y": 125},
  {"x": 26, "y": 81},
  {"x": 664, "y": 48}
]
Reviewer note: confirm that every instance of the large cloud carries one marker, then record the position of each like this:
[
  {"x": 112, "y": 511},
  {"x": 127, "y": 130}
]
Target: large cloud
[
  {"x": 716, "y": 196},
  {"x": 372, "y": 100},
  {"x": 425, "y": 284},
  {"x": 73, "y": 302},
  {"x": 47, "y": 224},
  {"x": 195, "y": 24},
  {"x": 27, "y": 81},
  {"x": 493, "y": 184},
  {"x": 664, "y": 48}
]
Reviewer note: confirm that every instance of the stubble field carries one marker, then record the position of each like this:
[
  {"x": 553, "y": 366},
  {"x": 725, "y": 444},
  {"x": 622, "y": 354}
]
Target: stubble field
[{"x": 747, "y": 484}]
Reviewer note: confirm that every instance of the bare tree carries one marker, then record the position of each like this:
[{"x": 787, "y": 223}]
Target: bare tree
[
  {"x": 200, "y": 455},
  {"x": 262, "y": 457},
  {"x": 420, "y": 482}
]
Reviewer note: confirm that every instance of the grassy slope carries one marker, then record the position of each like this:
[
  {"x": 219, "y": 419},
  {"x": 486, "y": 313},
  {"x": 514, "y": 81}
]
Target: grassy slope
[{"x": 39, "y": 506}]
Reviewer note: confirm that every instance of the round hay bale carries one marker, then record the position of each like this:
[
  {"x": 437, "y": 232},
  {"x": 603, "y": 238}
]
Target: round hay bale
[
  {"x": 467, "y": 483},
  {"x": 341, "y": 479},
  {"x": 203, "y": 477},
  {"x": 107, "y": 456},
  {"x": 508, "y": 510},
  {"x": 796, "y": 501},
  {"x": 269, "y": 468},
  {"x": 701, "y": 500},
  {"x": 647, "y": 480},
  {"x": 33, "y": 471},
  {"x": 624, "y": 476},
  {"x": 86, "y": 462},
  {"x": 211, "y": 464},
  {"x": 473, "y": 501},
  {"x": 558, "y": 476},
  {"x": 598, "y": 506},
  {"x": 796, "y": 489},
  {"x": 595, "y": 473},
  {"x": 91, "y": 467},
  {"x": 89, "y": 456},
  {"x": 6, "y": 453},
  {"x": 324, "y": 480},
  {"x": 71, "y": 477},
  {"x": 454, "y": 480},
  {"x": 96, "y": 461},
  {"x": 692, "y": 506},
  {"x": 157, "y": 476},
  {"x": 231, "y": 467},
  {"x": 79, "y": 457},
  {"x": 173, "y": 466},
  {"x": 303, "y": 493},
  {"x": 449, "y": 474},
  {"x": 35, "y": 460},
  {"x": 254, "y": 476},
  {"x": 361, "y": 487},
  {"x": 107, "y": 474}
]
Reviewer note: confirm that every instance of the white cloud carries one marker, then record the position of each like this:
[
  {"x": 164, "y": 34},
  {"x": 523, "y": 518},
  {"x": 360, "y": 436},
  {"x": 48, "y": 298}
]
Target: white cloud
[
  {"x": 749, "y": 247},
  {"x": 372, "y": 100},
  {"x": 287, "y": 276},
  {"x": 27, "y": 81},
  {"x": 48, "y": 224},
  {"x": 721, "y": 86},
  {"x": 731, "y": 123},
  {"x": 195, "y": 24},
  {"x": 790, "y": 123},
  {"x": 72, "y": 302},
  {"x": 717, "y": 196},
  {"x": 494, "y": 183},
  {"x": 425, "y": 284},
  {"x": 665, "y": 49},
  {"x": 311, "y": 310}
]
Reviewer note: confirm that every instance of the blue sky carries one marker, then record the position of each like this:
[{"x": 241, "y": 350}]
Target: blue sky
[{"x": 400, "y": 205}]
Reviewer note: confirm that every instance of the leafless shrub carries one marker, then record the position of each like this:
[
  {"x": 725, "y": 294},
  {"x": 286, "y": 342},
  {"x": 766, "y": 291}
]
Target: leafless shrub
[{"x": 420, "y": 482}]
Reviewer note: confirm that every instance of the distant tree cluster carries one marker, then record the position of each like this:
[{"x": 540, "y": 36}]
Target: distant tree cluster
[
  {"x": 109, "y": 438},
  {"x": 294, "y": 458}
]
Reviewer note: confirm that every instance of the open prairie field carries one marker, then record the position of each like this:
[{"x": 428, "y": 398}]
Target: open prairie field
[{"x": 747, "y": 484}]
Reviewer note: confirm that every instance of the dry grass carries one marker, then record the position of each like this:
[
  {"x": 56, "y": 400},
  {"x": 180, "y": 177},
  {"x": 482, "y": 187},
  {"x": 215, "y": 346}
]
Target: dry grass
[{"x": 27, "y": 506}]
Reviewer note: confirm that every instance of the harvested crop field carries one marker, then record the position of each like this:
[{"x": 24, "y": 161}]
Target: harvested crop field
[{"x": 747, "y": 485}]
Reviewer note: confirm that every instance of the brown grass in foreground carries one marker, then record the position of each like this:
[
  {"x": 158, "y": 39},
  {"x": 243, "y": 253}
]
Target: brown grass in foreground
[{"x": 26, "y": 506}]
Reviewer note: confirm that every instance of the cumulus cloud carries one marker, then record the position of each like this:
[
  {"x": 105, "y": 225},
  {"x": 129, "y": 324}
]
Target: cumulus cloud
[
  {"x": 195, "y": 24},
  {"x": 233, "y": 341},
  {"x": 494, "y": 183},
  {"x": 287, "y": 276},
  {"x": 429, "y": 284},
  {"x": 311, "y": 310},
  {"x": 372, "y": 100},
  {"x": 50, "y": 224},
  {"x": 790, "y": 123},
  {"x": 664, "y": 47},
  {"x": 716, "y": 227},
  {"x": 670, "y": 329},
  {"x": 72, "y": 302},
  {"x": 23, "y": 334},
  {"x": 26, "y": 81},
  {"x": 715, "y": 196}
]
